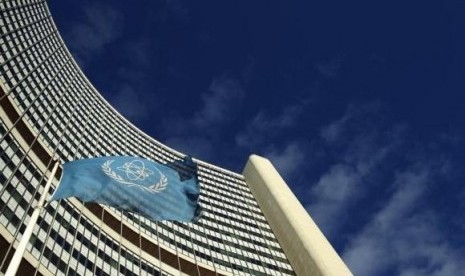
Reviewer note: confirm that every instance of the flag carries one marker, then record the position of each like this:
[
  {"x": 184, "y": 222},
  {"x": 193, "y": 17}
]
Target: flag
[{"x": 157, "y": 191}]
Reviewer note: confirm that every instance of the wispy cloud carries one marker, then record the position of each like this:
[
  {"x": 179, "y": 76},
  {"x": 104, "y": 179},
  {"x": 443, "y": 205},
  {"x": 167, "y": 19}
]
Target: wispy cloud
[
  {"x": 179, "y": 9},
  {"x": 266, "y": 134},
  {"x": 355, "y": 117},
  {"x": 138, "y": 53},
  {"x": 131, "y": 91},
  {"x": 100, "y": 25},
  {"x": 375, "y": 191},
  {"x": 289, "y": 159},
  {"x": 333, "y": 131},
  {"x": 264, "y": 125},
  {"x": 404, "y": 237},
  {"x": 331, "y": 194},
  {"x": 198, "y": 133},
  {"x": 330, "y": 68},
  {"x": 219, "y": 103},
  {"x": 130, "y": 103},
  {"x": 359, "y": 149}
]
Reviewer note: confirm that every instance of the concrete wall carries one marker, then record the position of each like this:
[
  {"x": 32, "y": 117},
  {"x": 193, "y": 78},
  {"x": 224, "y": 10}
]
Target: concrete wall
[{"x": 307, "y": 249}]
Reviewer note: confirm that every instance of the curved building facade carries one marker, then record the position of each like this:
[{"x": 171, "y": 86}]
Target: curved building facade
[{"x": 50, "y": 111}]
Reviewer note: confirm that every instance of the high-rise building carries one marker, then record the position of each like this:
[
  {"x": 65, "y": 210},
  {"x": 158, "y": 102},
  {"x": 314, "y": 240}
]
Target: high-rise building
[{"x": 252, "y": 224}]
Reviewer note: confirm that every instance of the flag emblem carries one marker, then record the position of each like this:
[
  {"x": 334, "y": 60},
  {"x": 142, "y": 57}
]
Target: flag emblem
[{"x": 135, "y": 174}]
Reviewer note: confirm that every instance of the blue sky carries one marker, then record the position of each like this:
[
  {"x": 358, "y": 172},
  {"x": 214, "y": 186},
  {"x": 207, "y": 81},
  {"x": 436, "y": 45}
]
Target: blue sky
[{"x": 360, "y": 106}]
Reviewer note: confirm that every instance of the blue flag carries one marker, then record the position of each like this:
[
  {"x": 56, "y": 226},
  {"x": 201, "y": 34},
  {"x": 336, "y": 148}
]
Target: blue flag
[{"x": 154, "y": 190}]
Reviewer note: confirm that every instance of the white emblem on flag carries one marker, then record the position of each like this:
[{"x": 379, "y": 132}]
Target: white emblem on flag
[{"x": 135, "y": 171}]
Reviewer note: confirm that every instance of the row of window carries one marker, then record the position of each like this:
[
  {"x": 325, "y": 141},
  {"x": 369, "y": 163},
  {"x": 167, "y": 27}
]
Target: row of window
[
  {"x": 11, "y": 16},
  {"x": 216, "y": 238},
  {"x": 25, "y": 35}
]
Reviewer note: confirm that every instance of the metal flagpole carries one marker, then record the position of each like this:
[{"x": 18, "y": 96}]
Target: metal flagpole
[{"x": 17, "y": 257}]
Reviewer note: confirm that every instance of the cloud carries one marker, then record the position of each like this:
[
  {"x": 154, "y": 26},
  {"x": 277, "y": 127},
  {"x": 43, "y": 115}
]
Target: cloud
[
  {"x": 224, "y": 95},
  {"x": 355, "y": 117},
  {"x": 179, "y": 9},
  {"x": 130, "y": 104},
  {"x": 331, "y": 194},
  {"x": 267, "y": 134},
  {"x": 138, "y": 53},
  {"x": 330, "y": 68},
  {"x": 404, "y": 237},
  {"x": 288, "y": 160},
  {"x": 263, "y": 125},
  {"x": 358, "y": 149},
  {"x": 332, "y": 132},
  {"x": 99, "y": 27},
  {"x": 374, "y": 193},
  {"x": 198, "y": 132}
]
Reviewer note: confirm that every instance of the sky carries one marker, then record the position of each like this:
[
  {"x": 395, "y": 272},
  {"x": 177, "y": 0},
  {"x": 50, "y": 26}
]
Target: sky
[{"x": 360, "y": 105}]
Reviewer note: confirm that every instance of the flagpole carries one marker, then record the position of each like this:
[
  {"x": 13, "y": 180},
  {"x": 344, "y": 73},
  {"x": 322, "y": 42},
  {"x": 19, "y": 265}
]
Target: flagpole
[{"x": 18, "y": 256}]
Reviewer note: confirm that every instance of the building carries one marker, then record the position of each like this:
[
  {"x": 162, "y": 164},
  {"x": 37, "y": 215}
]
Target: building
[{"x": 49, "y": 110}]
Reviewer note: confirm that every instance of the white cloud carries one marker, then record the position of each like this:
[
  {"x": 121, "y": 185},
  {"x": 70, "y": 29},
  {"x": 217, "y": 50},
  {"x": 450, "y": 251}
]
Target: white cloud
[
  {"x": 397, "y": 233},
  {"x": 178, "y": 8},
  {"x": 138, "y": 53},
  {"x": 197, "y": 134},
  {"x": 264, "y": 133},
  {"x": 360, "y": 149},
  {"x": 332, "y": 132},
  {"x": 220, "y": 103},
  {"x": 330, "y": 68},
  {"x": 101, "y": 26},
  {"x": 404, "y": 238},
  {"x": 130, "y": 103},
  {"x": 263, "y": 125},
  {"x": 288, "y": 160},
  {"x": 356, "y": 117},
  {"x": 331, "y": 195}
]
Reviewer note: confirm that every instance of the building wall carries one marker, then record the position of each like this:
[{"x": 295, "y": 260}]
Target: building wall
[
  {"x": 48, "y": 109},
  {"x": 308, "y": 250}
]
